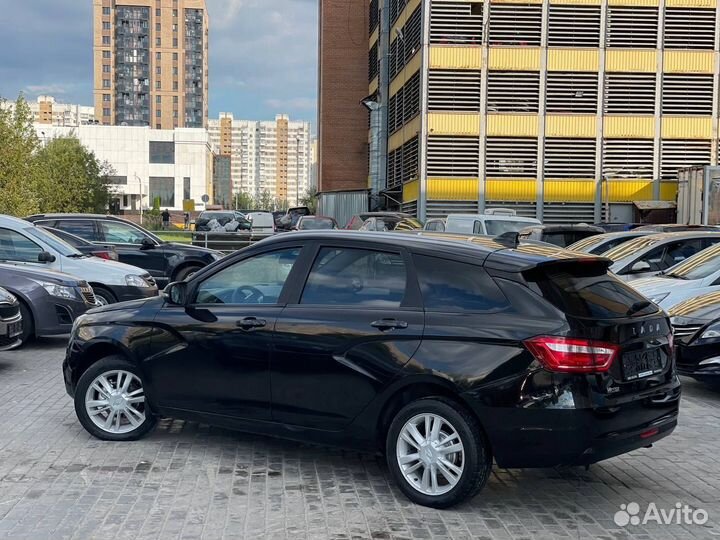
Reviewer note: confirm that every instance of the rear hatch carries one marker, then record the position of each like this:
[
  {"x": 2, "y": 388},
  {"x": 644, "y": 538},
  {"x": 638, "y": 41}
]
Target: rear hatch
[{"x": 630, "y": 337}]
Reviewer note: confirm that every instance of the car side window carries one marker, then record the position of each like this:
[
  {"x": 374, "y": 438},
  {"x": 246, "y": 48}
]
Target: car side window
[
  {"x": 16, "y": 247},
  {"x": 121, "y": 233},
  {"x": 478, "y": 227},
  {"x": 257, "y": 280},
  {"x": 356, "y": 277},
  {"x": 450, "y": 286},
  {"x": 684, "y": 249},
  {"x": 84, "y": 228}
]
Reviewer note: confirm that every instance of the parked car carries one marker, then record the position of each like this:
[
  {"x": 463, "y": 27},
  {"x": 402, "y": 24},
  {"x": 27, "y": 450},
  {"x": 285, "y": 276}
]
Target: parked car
[
  {"x": 164, "y": 261},
  {"x": 677, "y": 227},
  {"x": 357, "y": 221},
  {"x": 486, "y": 224},
  {"x": 291, "y": 217},
  {"x": 49, "y": 301},
  {"x": 649, "y": 255},
  {"x": 600, "y": 243},
  {"x": 23, "y": 244},
  {"x": 11, "y": 325},
  {"x": 559, "y": 235},
  {"x": 391, "y": 223},
  {"x": 83, "y": 246},
  {"x": 262, "y": 222},
  {"x": 617, "y": 227},
  {"x": 443, "y": 352},
  {"x": 315, "y": 223},
  {"x": 696, "y": 324},
  {"x": 205, "y": 220},
  {"x": 698, "y": 274}
]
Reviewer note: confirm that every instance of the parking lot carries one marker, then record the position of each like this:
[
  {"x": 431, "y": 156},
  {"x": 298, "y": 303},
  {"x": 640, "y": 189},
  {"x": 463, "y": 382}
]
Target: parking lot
[{"x": 191, "y": 481}]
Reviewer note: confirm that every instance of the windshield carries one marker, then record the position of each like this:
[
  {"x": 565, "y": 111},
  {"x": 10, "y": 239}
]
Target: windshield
[
  {"x": 628, "y": 248},
  {"x": 586, "y": 244},
  {"x": 496, "y": 227},
  {"x": 700, "y": 266},
  {"x": 61, "y": 246}
]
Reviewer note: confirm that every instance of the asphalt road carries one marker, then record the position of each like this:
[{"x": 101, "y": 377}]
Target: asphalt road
[{"x": 191, "y": 481}]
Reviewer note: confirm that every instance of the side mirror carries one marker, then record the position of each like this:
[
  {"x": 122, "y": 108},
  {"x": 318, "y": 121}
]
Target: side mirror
[
  {"x": 176, "y": 293},
  {"x": 147, "y": 244},
  {"x": 640, "y": 266},
  {"x": 45, "y": 257}
]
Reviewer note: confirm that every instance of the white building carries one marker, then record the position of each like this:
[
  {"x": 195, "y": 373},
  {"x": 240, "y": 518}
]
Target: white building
[
  {"x": 273, "y": 156},
  {"x": 47, "y": 111},
  {"x": 175, "y": 165}
]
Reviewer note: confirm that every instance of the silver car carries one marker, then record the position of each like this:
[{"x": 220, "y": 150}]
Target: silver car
[
  {"x": 697, "y": 275},
  {"x": 650, "y": 255},
  {"x": 600, "y": 243}
]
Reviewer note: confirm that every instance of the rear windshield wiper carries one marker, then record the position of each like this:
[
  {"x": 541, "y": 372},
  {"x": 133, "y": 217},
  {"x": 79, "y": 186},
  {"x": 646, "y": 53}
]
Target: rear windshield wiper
[{"x": 638, "y": 306}]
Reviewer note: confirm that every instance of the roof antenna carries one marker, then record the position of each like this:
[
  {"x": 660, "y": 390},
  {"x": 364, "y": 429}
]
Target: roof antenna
[{"x": 510, "y": 239}]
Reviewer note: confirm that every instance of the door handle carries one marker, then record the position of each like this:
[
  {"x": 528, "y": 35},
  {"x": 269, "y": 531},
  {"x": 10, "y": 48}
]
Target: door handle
[
  {"x": 389, "y": 324},
  {"x": 249, "y": 323}
]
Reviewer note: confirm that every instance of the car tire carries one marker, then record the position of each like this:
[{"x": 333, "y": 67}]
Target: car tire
[
  {"x": 28, "y": 325},
  {"x": 103, "y": 295},
  {"x": 456, "y": 453},
  {"x": 111, "y": 403},
  {"x": 186, "y": 272}
]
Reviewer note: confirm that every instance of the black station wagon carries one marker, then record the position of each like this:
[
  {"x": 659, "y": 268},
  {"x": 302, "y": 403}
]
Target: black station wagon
[{"x": 444, "y": 352}]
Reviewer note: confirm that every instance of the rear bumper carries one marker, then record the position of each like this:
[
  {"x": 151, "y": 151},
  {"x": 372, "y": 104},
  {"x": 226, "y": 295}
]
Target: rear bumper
[
  {"x": 525, "y": 438},
  {"x": 124, "y": 293}
]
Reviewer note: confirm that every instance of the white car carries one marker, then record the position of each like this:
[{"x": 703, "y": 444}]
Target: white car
[
  {"x": 697, "y": 275},
  {"x": 23, "y": 244},
  {"x": 492, "y": 223}
]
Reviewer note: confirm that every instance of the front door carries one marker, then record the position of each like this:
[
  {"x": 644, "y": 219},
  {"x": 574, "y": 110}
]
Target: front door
[
  {"x": 128, "y": 242},
  {"x": 216, "y": 358},
  {"x": 343, "y": 338}
]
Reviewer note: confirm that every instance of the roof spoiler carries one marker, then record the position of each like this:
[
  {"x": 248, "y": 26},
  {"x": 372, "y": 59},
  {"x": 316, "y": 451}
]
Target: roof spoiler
[{"x": 509, "y": 239}]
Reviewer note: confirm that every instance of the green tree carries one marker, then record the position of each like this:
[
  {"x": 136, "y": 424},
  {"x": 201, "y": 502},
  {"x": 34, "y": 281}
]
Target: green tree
[
  {"x": 243, "y": 201},
  {"x": 309, "y": 199},
  {"x": 18, "y": 168},
  {"x": 72, "y": 179},
  {"x": 264, "y": 201}
]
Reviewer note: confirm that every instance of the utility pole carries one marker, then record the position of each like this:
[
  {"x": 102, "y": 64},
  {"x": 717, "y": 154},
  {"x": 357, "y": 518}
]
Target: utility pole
[
  {"x": 141, "y": 197},
  {"x": 297, "y": 171}
]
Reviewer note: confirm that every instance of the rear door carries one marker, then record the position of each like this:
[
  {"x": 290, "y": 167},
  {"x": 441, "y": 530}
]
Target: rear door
[
  {"x": 128, "y": 241},
  {"x": 355, "y": 321}
]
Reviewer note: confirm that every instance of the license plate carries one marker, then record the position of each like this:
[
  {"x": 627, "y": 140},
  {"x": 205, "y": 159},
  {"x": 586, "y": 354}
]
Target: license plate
[
  {"x": 637, "y": 365},
  {"x": 14, "y": 329}
]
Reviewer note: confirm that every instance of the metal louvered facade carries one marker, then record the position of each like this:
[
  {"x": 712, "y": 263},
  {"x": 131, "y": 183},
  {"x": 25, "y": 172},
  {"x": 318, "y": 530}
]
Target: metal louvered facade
[{"x": 555, "y": 108}]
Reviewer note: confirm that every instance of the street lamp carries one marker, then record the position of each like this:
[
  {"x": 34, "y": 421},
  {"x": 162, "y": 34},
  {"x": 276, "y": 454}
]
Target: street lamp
[{"x": 297, "y": 171}]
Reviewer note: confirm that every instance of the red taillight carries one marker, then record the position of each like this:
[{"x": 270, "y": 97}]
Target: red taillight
[
  {"x": 104, "y": 255},
  {"x": 572, "y": 355}
]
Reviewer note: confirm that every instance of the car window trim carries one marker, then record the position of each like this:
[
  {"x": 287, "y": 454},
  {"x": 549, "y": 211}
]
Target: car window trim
[
  {"x": 412, "y": 300},
  {"x": 284, "y": 293},
  {"x": 100, "y": 232}
]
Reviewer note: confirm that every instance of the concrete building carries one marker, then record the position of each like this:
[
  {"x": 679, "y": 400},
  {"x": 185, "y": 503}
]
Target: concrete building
[
  {"x": 175, "y": 165},
  {"x": 47, "y": 111},
  {"x": 267, "y": 156},
  {"x": 556, "y": 108},
  {"x": 151, "y": 63},
  {"x": 342, "y": 120}
]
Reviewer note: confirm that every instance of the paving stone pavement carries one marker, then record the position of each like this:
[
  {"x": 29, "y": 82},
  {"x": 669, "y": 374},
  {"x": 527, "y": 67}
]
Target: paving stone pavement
[{"x": 191, "y": 481}]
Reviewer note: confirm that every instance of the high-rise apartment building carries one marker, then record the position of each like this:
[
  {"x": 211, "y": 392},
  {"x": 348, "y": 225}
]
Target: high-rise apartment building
[
  {"x": 47, "y": 111},
  {"x": 151, "y": 63},
  {"x": 272, "y": 156},
  {"x": 557, "y": 108}
]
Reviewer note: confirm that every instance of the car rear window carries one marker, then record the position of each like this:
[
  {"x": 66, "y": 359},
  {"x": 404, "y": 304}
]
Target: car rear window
[
  {"x": 588, "y": 291},
  {"x": 628, "y": 248}
]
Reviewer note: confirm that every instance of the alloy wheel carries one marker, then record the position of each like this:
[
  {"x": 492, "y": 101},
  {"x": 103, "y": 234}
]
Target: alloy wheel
[
  {"x": 115, "y": 402},
  {"x": 430, "y": 454}
]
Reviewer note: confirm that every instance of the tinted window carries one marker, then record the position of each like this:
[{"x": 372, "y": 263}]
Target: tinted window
[
  {"x": 58, "y": 244},
  {"x": 667, "y": 255},
  {"x": 16, "y": 247},
  {"x": 258, "y": 280},
  {"x": 453, "y": 286},
  {"x": 590, "y": 292},
  {"x": 700, "y": 266},
  {"x": 314, "y": 223},
  {"x": 356, "y": 277},
  {"x": 162, "y": 152},
  {"x": 83, "y": 228},
  {"x": 121, "y": 233},
  {"x": 496, "y": 227}
]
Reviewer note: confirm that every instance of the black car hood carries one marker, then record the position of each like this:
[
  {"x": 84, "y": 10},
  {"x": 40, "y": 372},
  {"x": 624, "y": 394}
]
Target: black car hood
[
  {"x": 122, "y": 306},
  {"x": 188, "y": 248},
  {"x": 39, "y": 273}
]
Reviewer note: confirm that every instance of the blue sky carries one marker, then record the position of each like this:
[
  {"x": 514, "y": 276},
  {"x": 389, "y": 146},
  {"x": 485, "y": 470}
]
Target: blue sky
[{"x": 263, "y": 54}]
